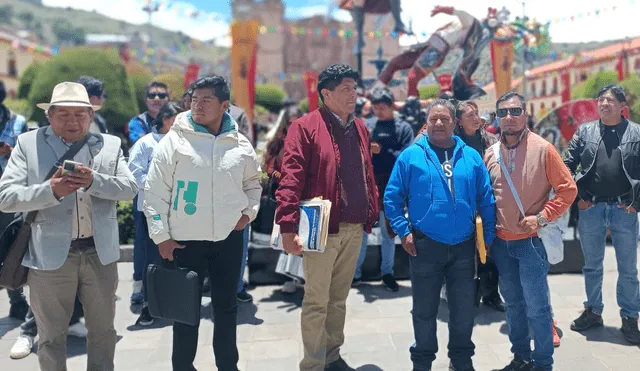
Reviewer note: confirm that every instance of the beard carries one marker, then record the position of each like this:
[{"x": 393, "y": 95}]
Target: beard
[{"x": 514, "y": 133}]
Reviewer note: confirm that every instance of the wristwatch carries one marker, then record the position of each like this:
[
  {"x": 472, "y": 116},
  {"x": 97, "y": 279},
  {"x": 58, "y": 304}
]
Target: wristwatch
[{"x": 542, "y": 221}]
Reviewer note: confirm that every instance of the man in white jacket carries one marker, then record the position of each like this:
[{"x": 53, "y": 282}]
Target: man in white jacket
[{"x": 202, "y": 189}]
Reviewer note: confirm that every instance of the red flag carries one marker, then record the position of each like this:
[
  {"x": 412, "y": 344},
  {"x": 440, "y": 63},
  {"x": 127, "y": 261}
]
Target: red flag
[
  {"x": 311, "y": 81},
  {"x": 621, "y": 66},
  {"x": 566, "y": 86},
  {"x": 191, "y": 74},
  {"x": 445, "y": 82}
]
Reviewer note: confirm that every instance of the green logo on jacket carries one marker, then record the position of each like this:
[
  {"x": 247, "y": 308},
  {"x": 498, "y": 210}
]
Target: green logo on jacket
[{"x": 189, "y": 196}]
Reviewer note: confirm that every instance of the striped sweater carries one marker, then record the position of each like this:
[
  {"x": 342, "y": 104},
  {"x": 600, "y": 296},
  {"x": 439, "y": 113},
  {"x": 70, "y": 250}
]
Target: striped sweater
[{"x": 537, "y": 169}]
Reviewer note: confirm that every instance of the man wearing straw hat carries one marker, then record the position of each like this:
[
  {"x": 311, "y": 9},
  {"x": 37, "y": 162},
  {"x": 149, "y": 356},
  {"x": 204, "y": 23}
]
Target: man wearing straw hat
[{"x": 74, "y": 246}]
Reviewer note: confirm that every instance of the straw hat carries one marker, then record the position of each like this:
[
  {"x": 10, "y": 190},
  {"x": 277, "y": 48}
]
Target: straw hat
[{"x": 69, "y": 94}]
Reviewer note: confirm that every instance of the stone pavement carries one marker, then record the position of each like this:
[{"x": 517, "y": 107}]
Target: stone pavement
[{"x": 378, "y": 332}]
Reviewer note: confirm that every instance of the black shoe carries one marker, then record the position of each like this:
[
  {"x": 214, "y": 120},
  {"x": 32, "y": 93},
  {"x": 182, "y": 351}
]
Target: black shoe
[
  {"x": 206, "y": 285},
  {"x": 494, "y": 301},
  {"x": 518, "y": 365},
  {"x": 467, "y": 368},
  {"x": 19, "y": 310},
  {"x": 630, "y": 330},
  {"x": 587, "y": 320},
  {"x": 145, "y": 318},
  {"x": 390, "y": 282},
  {"x": 244, "y": 296},
  {"x": 339, "y": 365},
  {"x": 356, "y": 282}
]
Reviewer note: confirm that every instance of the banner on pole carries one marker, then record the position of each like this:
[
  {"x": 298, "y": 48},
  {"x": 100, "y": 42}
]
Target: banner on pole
[
  {"x": 243, "y": 66},
  {"x": 311, "y": 82},
  {"x": 501, "y": 61},
  {"x": 191, "y": 74}
]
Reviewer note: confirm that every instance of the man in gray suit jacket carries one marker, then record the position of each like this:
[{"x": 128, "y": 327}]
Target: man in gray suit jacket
[{"x": 74, "y": 246}]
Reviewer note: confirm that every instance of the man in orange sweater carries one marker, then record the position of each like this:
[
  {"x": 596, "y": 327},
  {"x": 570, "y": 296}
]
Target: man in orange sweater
[{"x": 536, "y": 168}]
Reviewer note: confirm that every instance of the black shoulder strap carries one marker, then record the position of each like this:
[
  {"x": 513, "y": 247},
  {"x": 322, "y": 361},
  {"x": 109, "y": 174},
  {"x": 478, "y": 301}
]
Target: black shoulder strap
[{"x": 71, "y": 152}]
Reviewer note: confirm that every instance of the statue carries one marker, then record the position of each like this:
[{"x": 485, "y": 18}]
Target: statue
[
  {"x": 466, "y": 33},
  {"x": 360, "y": 7}
]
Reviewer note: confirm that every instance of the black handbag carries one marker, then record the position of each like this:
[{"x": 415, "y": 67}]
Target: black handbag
[
  {"x": 173, "y": 293},
  {"x": 264, "y": 220}
]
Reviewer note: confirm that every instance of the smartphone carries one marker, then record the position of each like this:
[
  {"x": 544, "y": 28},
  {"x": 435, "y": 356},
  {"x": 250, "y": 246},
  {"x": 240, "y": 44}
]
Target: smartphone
[{"x": 69, "y": 166}]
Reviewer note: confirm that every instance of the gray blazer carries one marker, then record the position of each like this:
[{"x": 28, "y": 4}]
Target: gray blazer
[{"x": 22, "y": 189}]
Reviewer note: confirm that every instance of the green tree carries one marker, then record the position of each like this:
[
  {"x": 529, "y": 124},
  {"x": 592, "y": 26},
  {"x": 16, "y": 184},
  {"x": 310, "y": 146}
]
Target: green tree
[
  {"x": 6, "y": 14},
  {"x": 66, "y": 33},
  {"x": 104, "y": 65},
  {"x": 631, "y": 86},
  {"x": 27, "y": 78},
  {"x": 589, "y": 88},
  {"x": 429, "y": 91},
  {"x": 270, "y": 96},
  {"x": 26, "y": 18}
]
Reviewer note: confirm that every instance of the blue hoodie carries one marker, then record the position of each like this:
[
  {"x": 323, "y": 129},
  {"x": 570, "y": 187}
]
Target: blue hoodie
[{"x": 418, "y": 181}]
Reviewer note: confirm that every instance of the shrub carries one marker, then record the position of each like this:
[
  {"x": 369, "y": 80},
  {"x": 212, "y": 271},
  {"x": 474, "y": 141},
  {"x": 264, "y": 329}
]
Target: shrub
[
  {"x": 75, "y": 62},
  {"x": 126, "y": 226},
  {"x": 175, "y": 82},
  {"x": 19, "y": 106},
  {"x": 139, "y": 77},
  {"x": 27, "y": 78},
  {"x": 429, "y": 91},
  {"x": 631, "y": 86},
  {"x": 270, "y": 96}
]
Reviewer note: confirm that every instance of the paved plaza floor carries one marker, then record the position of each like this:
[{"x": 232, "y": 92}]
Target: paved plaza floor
[{"x": 378, "y": 332}]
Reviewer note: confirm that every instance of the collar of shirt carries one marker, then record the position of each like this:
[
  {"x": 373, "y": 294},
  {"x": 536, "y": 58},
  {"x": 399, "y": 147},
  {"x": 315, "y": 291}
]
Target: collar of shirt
[
  {"x": 226, "y": 126},
  {"x": 350, "y": 120}
]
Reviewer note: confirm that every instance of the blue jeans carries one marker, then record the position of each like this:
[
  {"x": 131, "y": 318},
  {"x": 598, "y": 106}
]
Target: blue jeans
[
  {"x": 387, "y": 250},
  {"x": 139, "y": 242},
  {"x": 454, "y": 264},
  {"x": 245, "y": 253},
  {"x": 151, "y": 256},
  {"x": 592, "y": 226},
  {"x": 522, "y": 269}
]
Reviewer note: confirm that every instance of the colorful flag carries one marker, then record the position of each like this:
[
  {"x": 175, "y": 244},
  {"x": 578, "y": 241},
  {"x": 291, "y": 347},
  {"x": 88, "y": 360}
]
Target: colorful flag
[{"x": 311, "y": 82}]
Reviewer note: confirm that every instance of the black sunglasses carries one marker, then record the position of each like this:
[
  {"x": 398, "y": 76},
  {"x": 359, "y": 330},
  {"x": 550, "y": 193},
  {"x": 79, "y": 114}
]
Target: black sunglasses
[
  {"x": 159, "y": 95},
  {"x": 514, "y": 111}
]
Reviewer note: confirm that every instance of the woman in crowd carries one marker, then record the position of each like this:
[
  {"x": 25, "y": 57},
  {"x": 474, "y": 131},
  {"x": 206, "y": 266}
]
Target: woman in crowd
[
  {"x": 139, "y": 162},
  {"x": 272, "y": 162}
]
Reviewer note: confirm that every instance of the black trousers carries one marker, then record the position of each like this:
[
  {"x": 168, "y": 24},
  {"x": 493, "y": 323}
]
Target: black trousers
[{"x": 222, "y": 261}]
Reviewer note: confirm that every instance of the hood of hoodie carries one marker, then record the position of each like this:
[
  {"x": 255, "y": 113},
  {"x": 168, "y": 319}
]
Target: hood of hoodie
[{"x": 184, "y": 124}]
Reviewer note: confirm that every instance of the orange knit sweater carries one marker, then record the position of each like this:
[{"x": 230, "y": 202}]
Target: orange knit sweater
[{"x": 538, "y": 169}]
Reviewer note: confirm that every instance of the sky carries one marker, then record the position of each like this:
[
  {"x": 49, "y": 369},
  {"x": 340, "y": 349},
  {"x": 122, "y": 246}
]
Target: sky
[{"x": 611, "y": 24}]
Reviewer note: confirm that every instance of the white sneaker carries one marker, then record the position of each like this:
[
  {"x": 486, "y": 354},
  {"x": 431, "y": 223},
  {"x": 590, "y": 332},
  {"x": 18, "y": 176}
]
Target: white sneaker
[
  {"x": 77, "y": 330},
  {"x": 289, "y": 287},
  {"x": 22, "y": 347}
]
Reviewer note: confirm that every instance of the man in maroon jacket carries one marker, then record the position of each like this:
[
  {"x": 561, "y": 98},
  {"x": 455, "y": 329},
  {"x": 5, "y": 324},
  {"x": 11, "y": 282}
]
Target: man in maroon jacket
[{"x": 327, "y": 154}]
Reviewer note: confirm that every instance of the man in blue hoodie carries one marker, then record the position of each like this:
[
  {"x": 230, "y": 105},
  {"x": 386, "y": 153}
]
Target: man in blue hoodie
[{"x": 444, "y": 183}]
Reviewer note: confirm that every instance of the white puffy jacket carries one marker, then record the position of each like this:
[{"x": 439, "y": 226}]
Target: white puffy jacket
[{"x": 199, "y": 185}]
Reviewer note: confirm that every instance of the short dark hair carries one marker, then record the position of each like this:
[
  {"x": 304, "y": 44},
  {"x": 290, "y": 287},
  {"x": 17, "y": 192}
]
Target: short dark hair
[
  {"x": 156, "y": 84},
  {"x": 333, "y": 75},
  {"x": 217, "y": 83},
  {"x": 443, "y": 103},
  {"x": 616, "y": 90},
  {"x": 94, "y": 86},
  {"x": 511, "y": 94},
  {"x": 382, "y": 96},
  {"x": 3, "y": 92},
  {"x": 167, "y": 110},
  {"x": 462, "y": 106}
]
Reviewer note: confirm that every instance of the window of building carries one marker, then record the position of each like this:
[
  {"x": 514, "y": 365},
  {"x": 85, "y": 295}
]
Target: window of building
[
  {"x": 12, "y": 67},
  {"x": 554, "y": 89},
  {"x": 532, "y": 110},
  {"x": 544, "y": 88}
]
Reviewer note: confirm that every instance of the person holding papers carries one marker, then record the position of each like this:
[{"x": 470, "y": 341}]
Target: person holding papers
[
  {"x": 444, "y": 183},
  {"x": 327, "y": 155}
]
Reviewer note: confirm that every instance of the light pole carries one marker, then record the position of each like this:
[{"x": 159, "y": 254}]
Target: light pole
[{"x": 150, "y": 8}]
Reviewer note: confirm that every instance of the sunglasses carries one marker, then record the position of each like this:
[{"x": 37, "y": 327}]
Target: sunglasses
[
  {"x": 159, "y": 95},
  {"x": 514, "y": 111}
]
